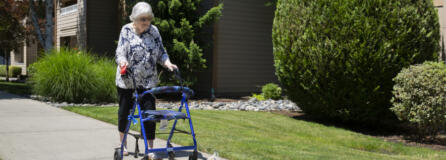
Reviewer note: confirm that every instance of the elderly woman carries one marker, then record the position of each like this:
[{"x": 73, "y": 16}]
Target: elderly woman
[{"x": 139, "y": 49}]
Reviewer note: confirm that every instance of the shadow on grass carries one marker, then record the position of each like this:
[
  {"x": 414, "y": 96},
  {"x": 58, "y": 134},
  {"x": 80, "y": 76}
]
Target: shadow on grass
[
  {"x": 389, "y": 130},
  {"x": 178, "y": 154}
]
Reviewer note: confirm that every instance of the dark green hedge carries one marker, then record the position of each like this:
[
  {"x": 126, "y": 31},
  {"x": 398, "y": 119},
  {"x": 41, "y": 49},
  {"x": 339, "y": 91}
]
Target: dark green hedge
[{"x": 337, "y": 58}]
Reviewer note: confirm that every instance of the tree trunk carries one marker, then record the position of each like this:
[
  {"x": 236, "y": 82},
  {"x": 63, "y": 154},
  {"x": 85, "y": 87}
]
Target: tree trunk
[
  {"x": 7, "y": 65},
  {"x": 35, "y": 23},
  {"x": 49, "y": 26}
]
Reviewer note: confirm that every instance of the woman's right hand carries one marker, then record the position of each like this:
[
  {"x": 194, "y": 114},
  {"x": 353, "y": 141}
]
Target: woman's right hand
[{"x": 123, "y": 63}]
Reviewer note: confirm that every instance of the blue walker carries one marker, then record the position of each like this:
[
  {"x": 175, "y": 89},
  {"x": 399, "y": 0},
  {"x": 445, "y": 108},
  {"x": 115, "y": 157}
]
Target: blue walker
[{"x": 158, "y": 115}]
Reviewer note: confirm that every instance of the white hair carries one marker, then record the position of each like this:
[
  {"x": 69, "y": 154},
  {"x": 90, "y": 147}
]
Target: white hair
[{"x": 139, "y": 9}]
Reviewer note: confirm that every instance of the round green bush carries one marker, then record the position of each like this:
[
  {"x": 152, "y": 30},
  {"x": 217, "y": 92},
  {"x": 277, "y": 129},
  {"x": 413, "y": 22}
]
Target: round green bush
[
  {"x": 272, "y": 91},
  {"x": 336, "y": 59},
  {"x": 14, "y": 71},
  {"x": 419, "y": 97},
  {"x": 2, "y": 70},
  {"x": 73, "y": 76}
]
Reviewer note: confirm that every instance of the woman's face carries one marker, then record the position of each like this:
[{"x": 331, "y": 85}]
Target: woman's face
[{"x": 142, "y": 22}]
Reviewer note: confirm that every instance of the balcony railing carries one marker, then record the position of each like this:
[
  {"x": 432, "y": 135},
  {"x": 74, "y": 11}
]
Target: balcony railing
[{"x": 69, "y": 9}]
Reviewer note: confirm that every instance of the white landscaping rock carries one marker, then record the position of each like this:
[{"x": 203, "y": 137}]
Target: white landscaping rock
[{"x": 249, "y": 105}]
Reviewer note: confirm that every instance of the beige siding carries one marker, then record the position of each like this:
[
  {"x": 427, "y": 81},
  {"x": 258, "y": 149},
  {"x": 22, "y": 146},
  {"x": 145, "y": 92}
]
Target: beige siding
[
  {"x": 15, "y": 57},
  {"x": 24, "y": 55},
  {"x": 244, "y": 54},
  {"x": 30, "y": 54},
  {"x": 71, "y": 24},
  {"x": 66, "y": 25},
  {"x": 442, "y": 18}
]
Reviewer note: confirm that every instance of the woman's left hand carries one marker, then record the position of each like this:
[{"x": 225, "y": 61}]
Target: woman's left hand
[{"x": 171, "y": 67}]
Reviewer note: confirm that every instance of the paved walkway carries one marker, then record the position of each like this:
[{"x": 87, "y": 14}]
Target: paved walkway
[{"x": 33, "y": 130}]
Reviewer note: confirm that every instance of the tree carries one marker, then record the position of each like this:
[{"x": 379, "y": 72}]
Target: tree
[
  {"x": 12, "y": 30},
  {"x": 180, "y": 23},
  {"x": 46, "y": 42},
  {"x": 15, "y": 26}
]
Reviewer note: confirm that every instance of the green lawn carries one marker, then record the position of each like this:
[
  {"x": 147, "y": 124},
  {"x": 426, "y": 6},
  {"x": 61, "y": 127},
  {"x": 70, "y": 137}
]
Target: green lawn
[
  {"x": 15, "y": 88},
  {"x": 264, "y": 135}
]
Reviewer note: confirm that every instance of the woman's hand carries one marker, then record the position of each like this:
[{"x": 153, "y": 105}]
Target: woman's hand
[
  {"x": 171, "y": 67},
  {"x": 123, "y": 63}
]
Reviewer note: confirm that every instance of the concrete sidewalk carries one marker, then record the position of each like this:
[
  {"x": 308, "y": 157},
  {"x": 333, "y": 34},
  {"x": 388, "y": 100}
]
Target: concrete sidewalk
[{"x": 34, "y": 130}]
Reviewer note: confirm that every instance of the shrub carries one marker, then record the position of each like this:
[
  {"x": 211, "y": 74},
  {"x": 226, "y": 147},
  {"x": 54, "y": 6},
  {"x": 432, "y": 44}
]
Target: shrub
[
  {"x": 419, "y": 97},
  {"x": 2, "y": 70},
  {"x": 336, "y": 59},
  {"x": 258, "y": 97},
  {"x": 271, "y": 91},
  {"x": 105, "y": 71},
  {"x": 14, "y": 71},
  {"x": 74, "y": 77}
]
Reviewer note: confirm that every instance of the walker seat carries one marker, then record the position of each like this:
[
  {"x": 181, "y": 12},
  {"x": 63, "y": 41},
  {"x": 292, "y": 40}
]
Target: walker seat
[{"x": 156, "y": 115}]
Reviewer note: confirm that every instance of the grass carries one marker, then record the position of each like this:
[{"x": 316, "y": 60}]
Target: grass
[
  {"x": 15, "y": 88},
  {"x": 264, "y": 135}
]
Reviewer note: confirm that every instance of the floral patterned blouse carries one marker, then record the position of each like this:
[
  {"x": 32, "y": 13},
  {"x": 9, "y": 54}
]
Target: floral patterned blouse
[{"x": 142, "y": 52}]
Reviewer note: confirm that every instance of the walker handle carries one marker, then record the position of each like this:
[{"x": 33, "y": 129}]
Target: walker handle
[
  {"x": 178, "y": 76},
  {"x": 123, "y": 70}
]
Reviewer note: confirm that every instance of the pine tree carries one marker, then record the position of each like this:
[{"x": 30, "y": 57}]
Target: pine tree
[{"x": 179, "y": 23}]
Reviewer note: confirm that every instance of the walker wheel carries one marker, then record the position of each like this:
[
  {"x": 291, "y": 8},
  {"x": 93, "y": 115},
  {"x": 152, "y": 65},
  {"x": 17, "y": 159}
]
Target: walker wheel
[
  {"x": 171, "y": 155},
  {"x": 145, "y": 158},
  {"x": 194, "y": 155},
  {"x": 118, "y": 155}
]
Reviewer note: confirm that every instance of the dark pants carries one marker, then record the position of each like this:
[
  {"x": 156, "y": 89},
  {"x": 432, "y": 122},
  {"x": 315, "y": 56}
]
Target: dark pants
[{"x": 126, "y": 104}]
